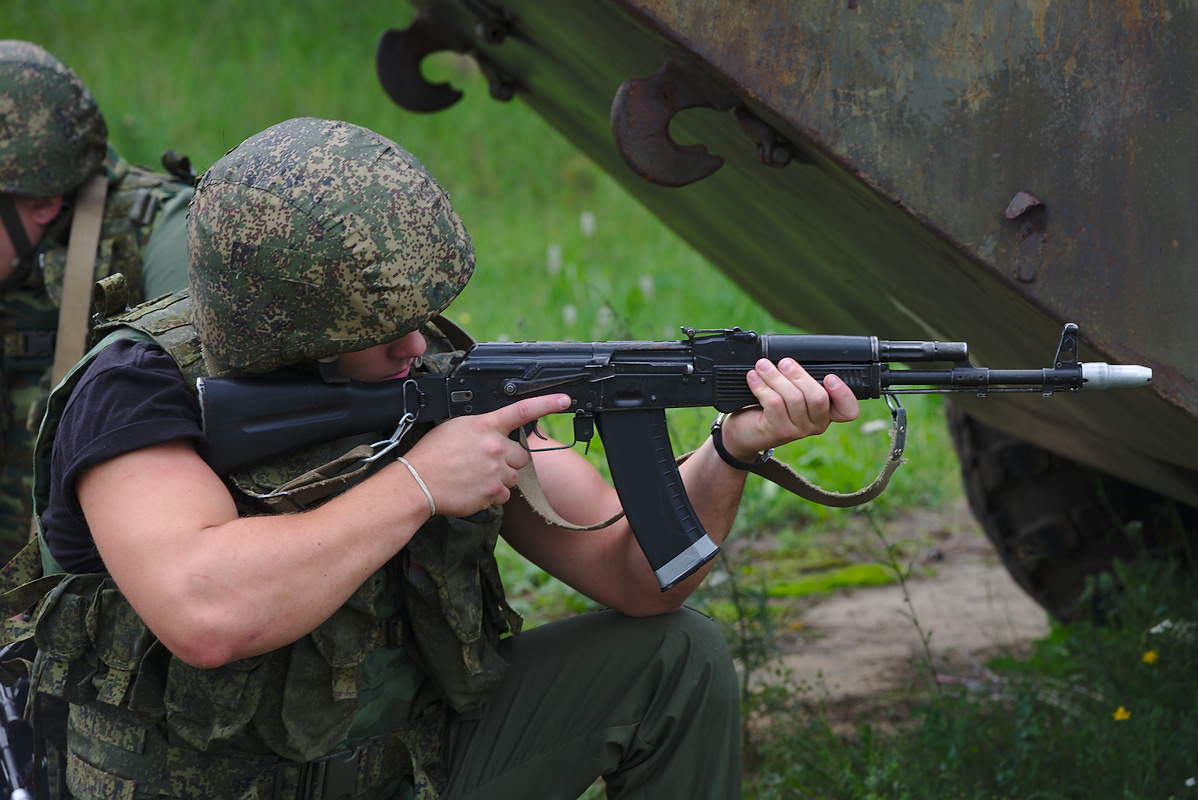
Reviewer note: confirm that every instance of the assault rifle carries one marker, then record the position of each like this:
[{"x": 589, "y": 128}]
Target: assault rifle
[
  {"x": 624, "y": 389},
  {"x": 16, "y": 746},
  {"x": 10, "y": 718}
]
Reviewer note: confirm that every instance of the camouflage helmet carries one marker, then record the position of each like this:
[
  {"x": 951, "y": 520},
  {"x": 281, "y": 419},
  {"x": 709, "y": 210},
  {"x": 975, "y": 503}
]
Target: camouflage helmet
[
  {"x": 52, "y": 134},
  {"x": 315, "y": 238}
]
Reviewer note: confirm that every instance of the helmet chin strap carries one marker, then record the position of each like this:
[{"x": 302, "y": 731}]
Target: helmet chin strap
[
  {"x": 25, "y": 251},
  {"x": 330, "y": 370}
]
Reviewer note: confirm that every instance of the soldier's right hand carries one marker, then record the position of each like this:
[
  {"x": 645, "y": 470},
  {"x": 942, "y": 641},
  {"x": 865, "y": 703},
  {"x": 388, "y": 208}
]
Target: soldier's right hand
[{"x": 469, "y": 463}]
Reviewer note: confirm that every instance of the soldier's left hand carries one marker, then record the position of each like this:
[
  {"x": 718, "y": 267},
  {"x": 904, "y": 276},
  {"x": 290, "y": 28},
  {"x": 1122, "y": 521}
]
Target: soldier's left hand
[{"x": 792, "y": 406}]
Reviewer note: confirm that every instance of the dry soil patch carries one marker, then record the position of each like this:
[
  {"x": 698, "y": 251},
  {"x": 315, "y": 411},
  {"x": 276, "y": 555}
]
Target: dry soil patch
[{"x": 864, "y": 642}]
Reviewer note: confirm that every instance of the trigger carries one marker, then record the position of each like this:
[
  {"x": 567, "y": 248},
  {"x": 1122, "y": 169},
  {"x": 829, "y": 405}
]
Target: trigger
[{"x": 584, "y": 427}]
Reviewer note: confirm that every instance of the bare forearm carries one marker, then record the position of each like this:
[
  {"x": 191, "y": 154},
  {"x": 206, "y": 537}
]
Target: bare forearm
[
  {"x": 292, "y": 572},
  {"x": 216, "y": 587}
]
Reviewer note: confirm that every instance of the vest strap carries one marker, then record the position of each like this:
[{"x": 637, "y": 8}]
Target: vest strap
[
  {"x": 374, "y": 762},
  {"x": 11, "y": 220},
  {"x": 25, "y": 586}
]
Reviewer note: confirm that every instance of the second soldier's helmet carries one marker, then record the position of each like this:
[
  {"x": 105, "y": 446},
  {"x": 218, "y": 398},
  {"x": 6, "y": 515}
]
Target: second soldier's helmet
[
  {"x": 52, "y": 134},
  {"x": 315, "y": 238}
]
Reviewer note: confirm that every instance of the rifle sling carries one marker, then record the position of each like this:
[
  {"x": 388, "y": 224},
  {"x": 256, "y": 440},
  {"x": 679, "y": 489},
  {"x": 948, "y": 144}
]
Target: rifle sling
[
  {"x": 781, "y": 474},
  {"x": 75, "y": 311},
  {"x": 529, "y": 486}
]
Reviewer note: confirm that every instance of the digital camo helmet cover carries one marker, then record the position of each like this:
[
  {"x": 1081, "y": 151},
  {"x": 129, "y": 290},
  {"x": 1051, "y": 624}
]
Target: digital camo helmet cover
[
  {"x": 315, "y": 238},
  {"x": 52, "y": 134}
]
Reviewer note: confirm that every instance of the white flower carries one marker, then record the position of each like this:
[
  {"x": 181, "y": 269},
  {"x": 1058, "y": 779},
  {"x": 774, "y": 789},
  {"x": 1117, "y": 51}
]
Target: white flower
[
  {"x": 569, "y": 315},
  {"x": 586, "y": 223},
  {"x": 647, "y": 286},
  {"x": 553, "y": 259},
  {"x": 1190, "y": 781},
  {"x": 1161, "y": 628},
  {"x": 874, "y": 425}
]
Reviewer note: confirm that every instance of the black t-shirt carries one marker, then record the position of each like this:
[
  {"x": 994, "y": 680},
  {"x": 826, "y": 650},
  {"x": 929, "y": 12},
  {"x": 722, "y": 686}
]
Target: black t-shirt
[{"x": 132, "y": 396}]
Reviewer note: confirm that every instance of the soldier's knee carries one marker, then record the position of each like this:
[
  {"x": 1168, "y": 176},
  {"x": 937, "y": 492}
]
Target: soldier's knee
[{"x": 695, "y": 640}]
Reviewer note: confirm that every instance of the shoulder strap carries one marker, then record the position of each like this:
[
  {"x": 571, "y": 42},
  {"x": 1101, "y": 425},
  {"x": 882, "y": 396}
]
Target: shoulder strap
[
  {"x": 80, "y": 271},
  {"x": 458, "y": 338}
]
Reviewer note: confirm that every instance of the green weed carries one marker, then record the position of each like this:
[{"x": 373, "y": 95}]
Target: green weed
[{"x": 1103, "y": 708}]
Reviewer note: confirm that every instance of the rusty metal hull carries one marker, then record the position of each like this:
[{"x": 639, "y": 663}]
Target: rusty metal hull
[{"x": 963, "y": 171}]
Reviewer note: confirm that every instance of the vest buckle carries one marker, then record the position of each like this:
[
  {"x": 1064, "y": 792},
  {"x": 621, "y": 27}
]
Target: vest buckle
[{"x": 333, "y": 777}]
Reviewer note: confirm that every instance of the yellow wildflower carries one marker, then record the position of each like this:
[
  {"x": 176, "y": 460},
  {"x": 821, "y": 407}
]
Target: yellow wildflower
[
  {"x": 1121, "y": 714},
  {"x": 1150, "y": 657}
]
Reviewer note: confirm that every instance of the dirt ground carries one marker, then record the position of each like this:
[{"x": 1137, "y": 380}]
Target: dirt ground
[{"x": 862, "y": 642}]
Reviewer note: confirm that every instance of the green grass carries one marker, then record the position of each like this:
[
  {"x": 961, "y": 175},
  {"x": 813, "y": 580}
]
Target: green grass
[
  {"x": 1103, "y": 708},
  {"x": 827, "y": 581}
]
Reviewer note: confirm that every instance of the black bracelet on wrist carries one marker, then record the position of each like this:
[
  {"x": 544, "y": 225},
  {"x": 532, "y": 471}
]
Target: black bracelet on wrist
[{"x": 717, "y": 439}]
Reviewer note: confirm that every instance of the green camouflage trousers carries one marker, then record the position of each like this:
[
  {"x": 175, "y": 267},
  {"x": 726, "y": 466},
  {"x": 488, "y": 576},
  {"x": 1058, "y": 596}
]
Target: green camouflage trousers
[{"x": 650, "y": 704}]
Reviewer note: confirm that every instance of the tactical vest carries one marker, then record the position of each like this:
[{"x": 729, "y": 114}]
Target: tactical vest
[
  {"x": 29, "y": 323},
  {"x": 313, "y": 719}
]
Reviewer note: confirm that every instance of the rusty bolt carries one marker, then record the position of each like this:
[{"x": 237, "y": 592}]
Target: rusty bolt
[{"x": 1020, "y": 203}]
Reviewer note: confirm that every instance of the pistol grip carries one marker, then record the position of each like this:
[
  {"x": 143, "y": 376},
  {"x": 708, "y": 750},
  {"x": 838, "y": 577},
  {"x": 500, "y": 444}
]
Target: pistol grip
[{"x": 646, "y": 477}]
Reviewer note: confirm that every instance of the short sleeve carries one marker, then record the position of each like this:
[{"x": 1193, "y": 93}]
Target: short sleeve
[{"x": 132, "y": 396}]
